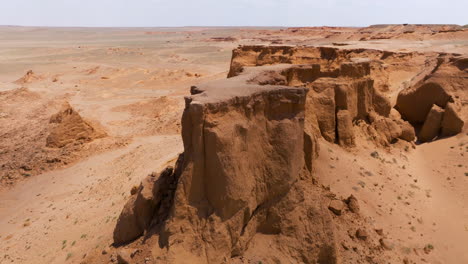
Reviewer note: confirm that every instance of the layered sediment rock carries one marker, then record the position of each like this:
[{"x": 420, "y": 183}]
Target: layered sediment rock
[
  {"x": 249, "y": 148},
  {"x": 345, "y": 129},
  {"x": 336, "y": 81},
  {"x": 248, "y": 158},
  {"x": 356, "y": 79}
]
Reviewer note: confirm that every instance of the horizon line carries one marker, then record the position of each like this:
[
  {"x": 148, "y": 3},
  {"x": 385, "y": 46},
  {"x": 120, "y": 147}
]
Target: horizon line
[{"x": 237, "y": 26}]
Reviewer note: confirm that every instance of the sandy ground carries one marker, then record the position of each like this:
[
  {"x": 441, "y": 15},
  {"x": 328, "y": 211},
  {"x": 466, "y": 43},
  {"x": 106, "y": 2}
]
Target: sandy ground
[{"x": 132, "y": 82}]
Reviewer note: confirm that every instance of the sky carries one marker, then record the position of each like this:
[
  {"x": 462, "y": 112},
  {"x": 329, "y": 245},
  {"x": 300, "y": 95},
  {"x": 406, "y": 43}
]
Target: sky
[{"x": 164, "y": 13}]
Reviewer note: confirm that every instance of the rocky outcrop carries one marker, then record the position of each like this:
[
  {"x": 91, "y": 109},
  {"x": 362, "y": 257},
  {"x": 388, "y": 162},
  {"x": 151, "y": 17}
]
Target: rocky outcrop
[
  {"x": 336, "y": 83},
  {"x": 257, "y": 122},
  {"x": 415, "y": 104},
  {"x": 29, "y": 77},
  {"x": 250, "y": 144},
  {"x": 322, "y": 101},
  {"x": 150, "y": 203},
  {"x": 69, "y": 127},
  {"x": 445, "y": 87},
  {"x": 357, "y": 79},
  {"x": 248, "y": 159}
]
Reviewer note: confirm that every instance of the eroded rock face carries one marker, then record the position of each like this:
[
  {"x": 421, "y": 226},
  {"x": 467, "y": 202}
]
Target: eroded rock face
[
  {"x": 345, "y": 129},
  {"x": 347, "y": 87},
  {"x": 150, "y": 203},
  {"x": 336, "y": 79},
  {"x": 247, "y": 166},
  {"x": 356, "y": 80},
  {"x": 322, "y": 100},
  {"x": 245, "y": 131}
]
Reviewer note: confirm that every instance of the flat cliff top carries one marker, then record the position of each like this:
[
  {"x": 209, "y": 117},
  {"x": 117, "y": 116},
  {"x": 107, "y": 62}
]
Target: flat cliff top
[{"x": 239, "y": 86}]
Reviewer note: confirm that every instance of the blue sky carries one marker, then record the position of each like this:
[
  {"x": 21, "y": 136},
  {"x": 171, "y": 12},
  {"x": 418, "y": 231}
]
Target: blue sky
[{"x": 134, "y": 13}]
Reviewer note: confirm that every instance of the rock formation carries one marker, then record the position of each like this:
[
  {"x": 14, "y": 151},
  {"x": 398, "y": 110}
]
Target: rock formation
[
  {"x": 445, "y": 87},
  {"x": 250, "y": 144},
  {"x": 69, "y": 127},
  {"x": 337, "y": 80},
  {"x": 355, "y": 80},
  {"x": 150, "y": 203},
  {"x": 345, "y": 128},
  {"x": 29, "y": 77},
  {"x": 248, "y": 158}
]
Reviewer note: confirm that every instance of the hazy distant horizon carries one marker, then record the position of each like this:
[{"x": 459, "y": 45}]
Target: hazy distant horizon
[
  {"x": 137, "y": 27},
  {"x": 232, "y": 13}
]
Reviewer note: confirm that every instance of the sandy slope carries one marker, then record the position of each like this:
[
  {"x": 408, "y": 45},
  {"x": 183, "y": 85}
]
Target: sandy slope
[
  {"x": 417, "y": 196},
  {"x": 67, "y": 211}
]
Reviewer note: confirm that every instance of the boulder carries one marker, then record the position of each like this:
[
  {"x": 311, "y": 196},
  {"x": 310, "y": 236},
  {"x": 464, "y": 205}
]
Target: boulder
[
  {"x": 336, "y": 206},
  {"x": 407, "y": 131},
  {"x": 394, "y": 114},
  {"x": 127, "y": 228},
  {"x": 353, "y": 204},
  {"x": 124, "y": 256},
  {"x": 362, "y": 234},
  {"x": 345, "y": 130},
  {"x": 387, "y": 128},
  {"x": 195, "y": 90},
  {"x": 452, "y": 123},
  {"x": 432, "y": 124},
  {"x": 415, "y": 103},
  {"x": 386, "y": 244}
]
